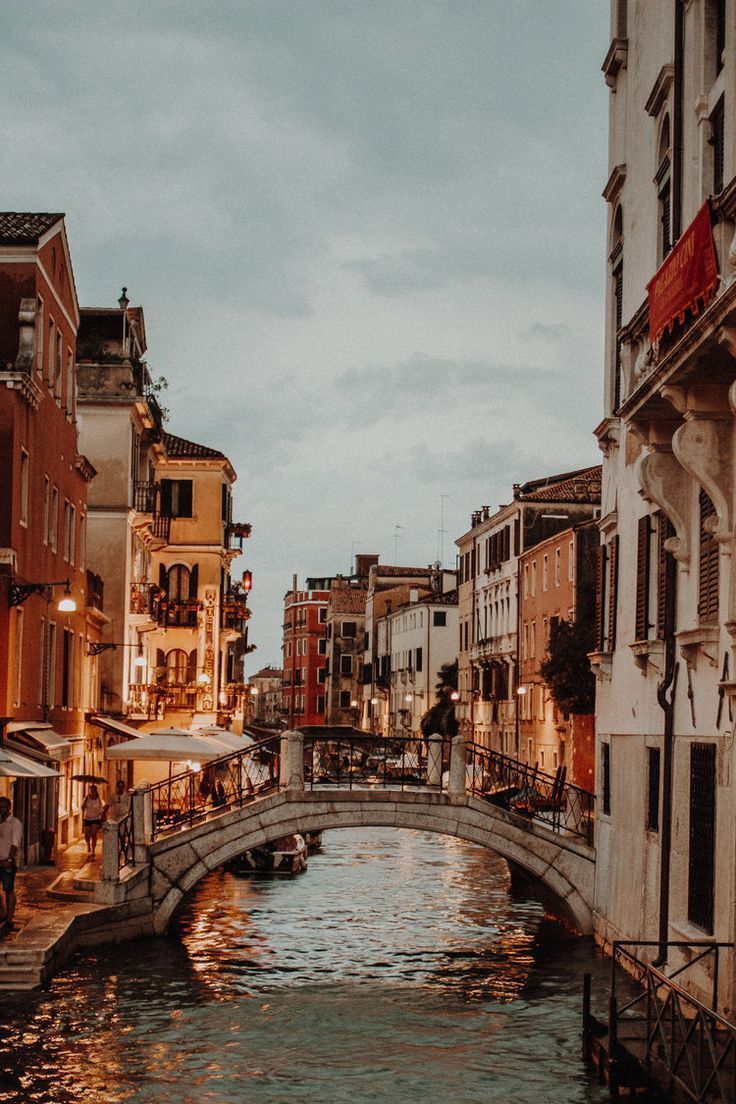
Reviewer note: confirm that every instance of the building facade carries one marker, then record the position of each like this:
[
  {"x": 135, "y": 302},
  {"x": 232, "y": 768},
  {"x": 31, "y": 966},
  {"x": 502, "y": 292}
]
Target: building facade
[
  {"x": 264, "y": 697},
  {"x": 666, "y": 819},
  {"x": 46, "y": 681},
  {"x": 489, "y": 554},
  {"x": 305, "y": 653}
]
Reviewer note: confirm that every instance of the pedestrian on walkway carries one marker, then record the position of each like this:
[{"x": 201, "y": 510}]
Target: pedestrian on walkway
[
  {"x": 92, "y": 816},
  {"x": 11, "y": 835},
  {"x": 119, "y": 806}
]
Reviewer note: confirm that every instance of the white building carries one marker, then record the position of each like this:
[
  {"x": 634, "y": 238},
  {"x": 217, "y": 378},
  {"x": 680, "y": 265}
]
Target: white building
[
  {"x": 666, "y": 813},
  {"x": 421, "y": 637}
]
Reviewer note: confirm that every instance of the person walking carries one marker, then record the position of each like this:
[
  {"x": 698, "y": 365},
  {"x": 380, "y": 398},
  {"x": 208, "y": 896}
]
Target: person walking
[
  {"x": 119, "y": 805},
  {"x": 11, "y": 835},
  {"x": 92, "y": 813}
]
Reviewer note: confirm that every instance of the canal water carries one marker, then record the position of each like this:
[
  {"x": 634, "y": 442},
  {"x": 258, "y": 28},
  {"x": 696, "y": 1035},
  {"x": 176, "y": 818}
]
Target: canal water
[{"x": 400, "y": 967}]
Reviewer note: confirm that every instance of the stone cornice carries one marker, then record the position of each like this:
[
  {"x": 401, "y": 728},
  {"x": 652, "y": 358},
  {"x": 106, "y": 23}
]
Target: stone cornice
[
  {"x": 660, "y": 91},
  {"x": 615, "y": 61},
  {"x": 25, "y": 384},
  {"x": 615, "y": 183}
]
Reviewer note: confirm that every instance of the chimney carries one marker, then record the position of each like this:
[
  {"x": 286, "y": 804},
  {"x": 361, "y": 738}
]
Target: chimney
[{"x": 363, "y": 564}]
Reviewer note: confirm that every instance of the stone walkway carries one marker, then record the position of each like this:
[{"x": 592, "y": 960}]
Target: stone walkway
[{"x": 42, "y": 921}]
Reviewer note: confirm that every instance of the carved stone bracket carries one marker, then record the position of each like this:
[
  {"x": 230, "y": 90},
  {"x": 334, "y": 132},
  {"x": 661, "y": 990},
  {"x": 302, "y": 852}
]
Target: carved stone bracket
[
  {"x": 600, "y": 664},
  {"x": 661, "y": 480},
  {"x": 26, "y": 336},
  {"x": 648, "y": 652},
  {"x": 702, "y": 446},
  {"x": 703, "y": 639}
]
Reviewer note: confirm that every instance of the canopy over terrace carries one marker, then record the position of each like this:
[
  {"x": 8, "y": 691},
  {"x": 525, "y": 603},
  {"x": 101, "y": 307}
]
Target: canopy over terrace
[
  {"x": 13, "y": 765},
  {"x": 169, "y": 745}
]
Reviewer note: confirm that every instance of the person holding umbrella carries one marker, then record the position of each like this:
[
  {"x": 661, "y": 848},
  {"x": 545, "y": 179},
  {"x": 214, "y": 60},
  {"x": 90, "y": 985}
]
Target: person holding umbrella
[{"x": 92, "y": 815}]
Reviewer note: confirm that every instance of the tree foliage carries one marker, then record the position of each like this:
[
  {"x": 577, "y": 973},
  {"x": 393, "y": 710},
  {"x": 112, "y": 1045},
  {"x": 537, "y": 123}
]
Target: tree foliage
[
  {"x": 566, "y": 668},
  {"x": 440, "y": 717}
]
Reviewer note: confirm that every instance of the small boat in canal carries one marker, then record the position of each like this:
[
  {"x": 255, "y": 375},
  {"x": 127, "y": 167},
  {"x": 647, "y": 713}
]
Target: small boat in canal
[
  {"x": 287, "y": 855},
  {"x": 313, "y": 841}
]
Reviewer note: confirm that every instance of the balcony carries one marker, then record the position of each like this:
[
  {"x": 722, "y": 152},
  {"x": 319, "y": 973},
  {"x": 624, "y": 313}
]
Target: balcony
[
  {"x": 145, "y": 497},
  {"x": 235, "y": 533}
]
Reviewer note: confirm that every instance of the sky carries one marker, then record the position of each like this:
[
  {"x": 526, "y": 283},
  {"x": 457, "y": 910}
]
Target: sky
[{"x": 367, "y": 235}]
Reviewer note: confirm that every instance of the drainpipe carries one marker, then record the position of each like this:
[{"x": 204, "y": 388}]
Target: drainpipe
[
  {"x": 667, "y": 705},
  {"x": 677, "y": 122}
]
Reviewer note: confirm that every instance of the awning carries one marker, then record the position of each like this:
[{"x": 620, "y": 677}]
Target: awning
[
  {"x": 118, "y": 728},
  {"x": 230, "y": 741},
  {"x": 42, "y": 738},
  {"x": 13, "y": 765}
]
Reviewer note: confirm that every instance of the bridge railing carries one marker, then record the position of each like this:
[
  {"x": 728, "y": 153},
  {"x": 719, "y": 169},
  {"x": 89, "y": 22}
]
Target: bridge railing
[
  {"x": 544, "y": 798},
  {"x": 358, "y": 760},
  {"x": 185, "y": 799}
]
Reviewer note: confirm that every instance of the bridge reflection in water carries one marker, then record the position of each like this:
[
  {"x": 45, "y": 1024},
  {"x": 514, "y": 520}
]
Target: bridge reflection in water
[{"x": 400, "y": 968}]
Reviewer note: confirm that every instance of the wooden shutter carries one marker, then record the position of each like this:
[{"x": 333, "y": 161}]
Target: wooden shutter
[
  {"x": 618, "y": 296},
  {"x": 600, "y": 596},
  {"x": 163, "y": 578},
  {"x": 708, "y": 577},
  {"x": 612, "y": 591},
  {"x": 185, "y": 498},
  {"x": 165, "y": 498},
  {"x": 665, "y": 530},
  {"x": 642, "y": 578},
  {"x": 194, "y": 581}
]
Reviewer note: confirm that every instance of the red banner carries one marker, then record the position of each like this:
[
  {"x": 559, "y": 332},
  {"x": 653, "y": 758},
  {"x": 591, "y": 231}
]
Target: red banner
[{"x": 686, "y": 277}]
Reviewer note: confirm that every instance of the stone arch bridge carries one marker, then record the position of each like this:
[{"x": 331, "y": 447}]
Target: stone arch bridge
[{"x": 316, "y": 779}]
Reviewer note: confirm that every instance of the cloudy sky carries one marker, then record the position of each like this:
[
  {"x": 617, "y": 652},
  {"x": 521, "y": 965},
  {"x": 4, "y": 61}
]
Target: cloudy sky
[{"x": 368, "y": 238}]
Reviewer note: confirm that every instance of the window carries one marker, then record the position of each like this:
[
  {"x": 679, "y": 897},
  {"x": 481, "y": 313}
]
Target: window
[
  {"x": 46, "y": 508},
  {"x": 24, "y": 481},
  {"x": 558, "y": 565},
  {"x": 39, "y": 337},
  {"x": 533, "y": 639},
  {"x": 708, "y": 578},
  {"x": 67, "y": 668},
  {"x": 606, "y": 777},
  {"x": 717, "y": 141},
  {"x": 43, "y": 644},
  {"x": 653, "y": 770},
  {"x": 70, "y": 389},
  {"x": 525, "y": 641},
  {"x": 346, "y": 665},
  {"x": 345, "y": 699},
  {"x": 439, "y": 618},
  {"x": 419, "y": 659},
  {"x": 51, "y": 689},
  {"x": 320, "y": 703},
  {"x": 322, "y": 646},
  {"x": 662, "y": 181},
  {"x": 72, "y": 534},
  {"x": 621, "y": 19},
  {"x": 82, "y": 541},
  {"x": 701, "y": 859},
  {"x": 616, "y": 261},
  {"x": 534, "y": 578},
  {"x": 526, "y": 580},
  {"x": 321, "y": 674},
  {"x": 179, "y": 583},
  {"x": 176, "y": 498},
  {"x": 348, "y": 628},
  {"x": 322, "y": 615},
  {"x": 58, "y": 373},
  {"x": 545, "y": 572},
  {"x": 571, "y": 562},
  {"x": 54, "y": 519},
  {"x": 51, "y": 354},
  {"x": 719, "y": 18},
  {"x": 607, "y": 595},
  {"x": 643, "y": 572},
  {"x": 66, "y": 530},
  {"x": 18, "y": 653}
]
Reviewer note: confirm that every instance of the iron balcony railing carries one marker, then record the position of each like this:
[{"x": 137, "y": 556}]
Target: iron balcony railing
[
  {"x": 145, "y": 497},
  {"x": 359, "y": 760},
  {"x": 161, "y": 527},
  {"x": 668, "y": 1031},
  {"x": 126, "y": 841},
  {"x": 186, "y": 799},
  {"x": 545, "y": 798}
]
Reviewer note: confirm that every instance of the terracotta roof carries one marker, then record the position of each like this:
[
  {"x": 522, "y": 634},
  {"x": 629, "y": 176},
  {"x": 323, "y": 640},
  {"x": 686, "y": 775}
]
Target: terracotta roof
[
  {"x": 19, "y": 228},
  {"x": 268, "y": 672},
  {"x": 450, "y": 598},
  {"x": 348, "y": 600},
  {"x": 180, "y": 449},
  {"x": 583, "y": 485}
]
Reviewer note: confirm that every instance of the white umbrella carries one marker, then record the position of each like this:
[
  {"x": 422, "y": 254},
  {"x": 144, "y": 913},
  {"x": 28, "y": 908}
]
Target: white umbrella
[
  {"x": 169, "y": 745},
  {"x": 229, "y": 741}
]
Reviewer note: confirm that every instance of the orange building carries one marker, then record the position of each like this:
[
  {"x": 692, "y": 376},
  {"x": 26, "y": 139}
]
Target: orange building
[
  {"x": 45, "y": 679},
  {"x": 557, "y": 583}
]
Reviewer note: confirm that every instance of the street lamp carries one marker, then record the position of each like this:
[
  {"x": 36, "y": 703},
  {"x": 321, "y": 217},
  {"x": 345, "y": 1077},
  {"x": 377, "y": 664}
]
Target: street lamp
[{"x": 18, "y": 593}]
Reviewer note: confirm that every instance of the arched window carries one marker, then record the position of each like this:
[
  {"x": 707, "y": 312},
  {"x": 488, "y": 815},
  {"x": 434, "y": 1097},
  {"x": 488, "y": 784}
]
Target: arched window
[
  {"x": 617, "y": 299},
  {"x": 178, "y": 582},
  {"x": 664, "y": 199},
  {"x": 180, "y": 669}
]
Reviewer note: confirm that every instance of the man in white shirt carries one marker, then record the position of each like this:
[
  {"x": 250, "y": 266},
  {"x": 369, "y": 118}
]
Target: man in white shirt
[
  {"x": 11, "y": 836},
  {"x": 119, "y": 806}
]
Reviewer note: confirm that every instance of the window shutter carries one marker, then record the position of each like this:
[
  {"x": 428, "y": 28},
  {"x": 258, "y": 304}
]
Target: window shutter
[
  {"x": 194, "y": 581},
  {"x": 185, "y": 498},
  {"x": 618, "y": 294},
  {"x": 612, "y": 591},
  {"x": 165, "y": 500},
  {"x": 600, "y": 596},
  {"x": 163, "y": 578},
  {"x": 664, "y": 531},
  {"x": 708, "y": 578},
  {"x": 642, "y": 578}
]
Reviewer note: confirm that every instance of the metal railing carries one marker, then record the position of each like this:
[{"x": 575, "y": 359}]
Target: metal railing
[
  {"x": 664, "y": 1026},
  {"x": 186, "y": 799},
  {"x": 547, "y": 799},
  {"x": 145, "y": 497},
  {"x": 360, "y": 760},
  {"x": 126, "y": 841}
]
